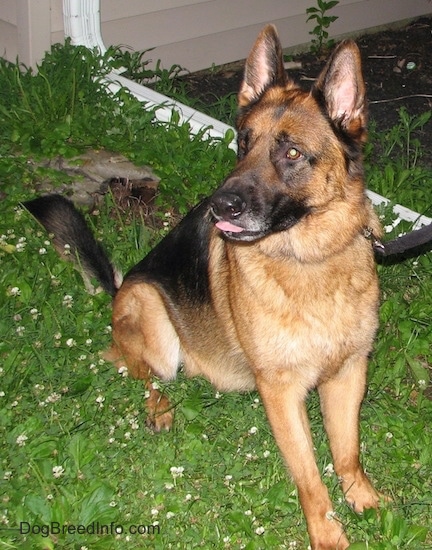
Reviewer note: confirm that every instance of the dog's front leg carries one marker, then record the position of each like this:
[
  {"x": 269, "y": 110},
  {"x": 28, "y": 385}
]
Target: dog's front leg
[
  {"x": 285, "y": 406},
  {"x": 341, "y": 397}
]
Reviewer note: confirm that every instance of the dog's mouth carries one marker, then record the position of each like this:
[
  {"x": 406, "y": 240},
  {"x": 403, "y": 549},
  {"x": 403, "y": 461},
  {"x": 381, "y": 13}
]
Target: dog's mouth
[
  {"x": 237, "y": 233},
  {"x": 228, "y": 227}
]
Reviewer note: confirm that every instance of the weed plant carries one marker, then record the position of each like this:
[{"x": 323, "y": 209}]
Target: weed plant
[
  {"x": 78, "y": 466},
  {"x": 321, "y": 42}
]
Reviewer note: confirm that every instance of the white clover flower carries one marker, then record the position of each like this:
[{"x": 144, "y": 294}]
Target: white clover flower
[
  {"x": 123, "y": 371},
  {"x": 170, "y": 515},
  {"x": 66, "y": 249},
  {"x": 14, "y": 291},
  {"x": 2, "y": 394},
  {"x": 100, "y": 400},
  {"x": 21, "y": 440},
  {"x": 53, "y": 398},
  {"x": 177, "y": 471},
  {"x": 260, "y": 530},
  {"x": 70, "y": 342},
  {"x": 248, "y": 513},
  {"x": 50, "y": 497},
  {"x": 266, "y": 454},
  {"x": 20, "y": 330},
  {"x": 34, "y": 313},
  {"x": 89, "y": 341},
  {"x": 42, "y": 251},
  {"x": 128, "y": 436},
  {"x": 57, "y": 336},
  {"x": 58, "y": 471},
  {"x": 67, "y": 300},
  {"x": 113, "y": 504},
  {"x": 154, "y": 512},
  {"x": 329, "y": 470},
  {"x": 7, "y": 475},
  {"x": 253, "y": 430}
]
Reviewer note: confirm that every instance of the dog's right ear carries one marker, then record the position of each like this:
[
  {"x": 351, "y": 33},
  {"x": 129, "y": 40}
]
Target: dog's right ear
[{"x": 264, "y": 67}]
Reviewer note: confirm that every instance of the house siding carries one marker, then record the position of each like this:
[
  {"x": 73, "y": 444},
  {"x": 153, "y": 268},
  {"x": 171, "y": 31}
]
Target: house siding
[{"x": 192, "y": 33}]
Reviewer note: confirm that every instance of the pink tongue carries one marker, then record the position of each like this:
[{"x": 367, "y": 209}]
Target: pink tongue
[{"x": 227, "y": 226}]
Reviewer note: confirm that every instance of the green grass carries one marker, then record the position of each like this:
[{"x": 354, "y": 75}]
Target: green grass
[{"x": 74, "y": 446}]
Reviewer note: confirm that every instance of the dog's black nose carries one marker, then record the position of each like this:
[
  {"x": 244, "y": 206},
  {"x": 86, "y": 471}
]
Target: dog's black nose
[{"x": 227, "y": 205}]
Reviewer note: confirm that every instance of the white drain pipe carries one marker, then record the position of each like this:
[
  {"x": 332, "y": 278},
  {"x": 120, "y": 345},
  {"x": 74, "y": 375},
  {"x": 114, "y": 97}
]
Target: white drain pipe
[
  {"x": 81, "y": 20},
  {"x": 82, "y": 24}
]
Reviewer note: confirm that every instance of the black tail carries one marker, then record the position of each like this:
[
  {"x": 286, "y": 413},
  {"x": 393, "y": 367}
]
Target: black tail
[
  {"x": 412, "y": 244},
  {"x": 73, "y": 239}
]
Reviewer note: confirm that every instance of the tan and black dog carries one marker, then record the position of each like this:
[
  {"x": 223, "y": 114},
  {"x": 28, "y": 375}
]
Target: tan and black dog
[{"x": 270, "y": 283}]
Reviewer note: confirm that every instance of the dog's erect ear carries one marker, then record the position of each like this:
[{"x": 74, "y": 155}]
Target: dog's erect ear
[
  {"x": 264, "y": 67},
  {"x": 341, "y": 87}
]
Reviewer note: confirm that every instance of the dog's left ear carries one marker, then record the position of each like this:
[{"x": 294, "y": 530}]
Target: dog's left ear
[
  {"x": 341, "y": 88},
  {"x": 264, "y": 67}
]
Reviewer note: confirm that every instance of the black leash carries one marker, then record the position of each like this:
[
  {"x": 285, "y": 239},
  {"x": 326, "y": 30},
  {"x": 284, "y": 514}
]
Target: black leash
[{"x": 400, "y": 245}]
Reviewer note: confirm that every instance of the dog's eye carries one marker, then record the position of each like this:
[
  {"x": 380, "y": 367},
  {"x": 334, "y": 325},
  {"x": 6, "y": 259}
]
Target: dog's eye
[{"x": 293, "y": 153}]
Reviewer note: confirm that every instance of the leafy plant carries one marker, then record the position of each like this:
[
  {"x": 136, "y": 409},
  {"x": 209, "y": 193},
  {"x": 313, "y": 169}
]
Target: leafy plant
[
  {"x": 393, "y": 167},
  {"x": 319, "y": 14},
  {"x": 135, "y": 65}
]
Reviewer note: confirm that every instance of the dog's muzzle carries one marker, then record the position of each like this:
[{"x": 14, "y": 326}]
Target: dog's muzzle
[{"x": 226, "y": 208}]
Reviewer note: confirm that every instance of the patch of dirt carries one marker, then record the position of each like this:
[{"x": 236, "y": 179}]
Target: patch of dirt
[{"x": 397, "y": 67}]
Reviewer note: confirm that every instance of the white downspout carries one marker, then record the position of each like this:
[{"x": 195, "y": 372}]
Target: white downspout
[{"x": 82, "y": 24}]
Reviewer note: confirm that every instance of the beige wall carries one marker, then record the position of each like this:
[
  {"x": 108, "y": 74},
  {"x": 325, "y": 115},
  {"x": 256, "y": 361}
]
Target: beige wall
[{"x": 192, "y": 33}]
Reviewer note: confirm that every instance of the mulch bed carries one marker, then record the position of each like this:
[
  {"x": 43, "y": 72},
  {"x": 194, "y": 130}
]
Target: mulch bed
[{"x": 397, "y": 66}]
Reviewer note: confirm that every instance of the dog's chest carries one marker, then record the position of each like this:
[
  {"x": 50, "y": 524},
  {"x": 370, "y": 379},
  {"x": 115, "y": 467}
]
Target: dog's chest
[{"x": 296, "y": 315}]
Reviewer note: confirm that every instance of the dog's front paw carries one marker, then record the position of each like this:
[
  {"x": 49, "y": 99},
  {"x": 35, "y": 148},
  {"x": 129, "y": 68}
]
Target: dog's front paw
[
  {"x": 328, "y": 535},
  {"x": 160, "y": 412},
  {"x": 160, "y": 422}
]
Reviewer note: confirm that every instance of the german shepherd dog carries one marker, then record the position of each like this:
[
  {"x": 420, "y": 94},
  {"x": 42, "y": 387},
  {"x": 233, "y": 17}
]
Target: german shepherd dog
[{"x": 270, "y": 283}]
